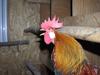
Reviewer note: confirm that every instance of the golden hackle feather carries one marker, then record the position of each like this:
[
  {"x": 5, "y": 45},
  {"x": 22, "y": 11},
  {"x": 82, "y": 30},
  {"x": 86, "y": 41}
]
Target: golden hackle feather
[{"x": 68, "y": 53}]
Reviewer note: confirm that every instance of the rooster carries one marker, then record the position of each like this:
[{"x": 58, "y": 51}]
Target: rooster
[{"x": 68, "y": 55}]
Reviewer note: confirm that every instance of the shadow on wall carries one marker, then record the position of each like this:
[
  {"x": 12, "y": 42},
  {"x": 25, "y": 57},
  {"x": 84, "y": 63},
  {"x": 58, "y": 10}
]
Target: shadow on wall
[
  {"x": 40, "y": 69},
  {"x": 90, "y": 46}
]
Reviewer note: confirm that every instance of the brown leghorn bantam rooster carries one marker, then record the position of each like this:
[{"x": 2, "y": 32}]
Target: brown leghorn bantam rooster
[{"x": 68, "y": 55}]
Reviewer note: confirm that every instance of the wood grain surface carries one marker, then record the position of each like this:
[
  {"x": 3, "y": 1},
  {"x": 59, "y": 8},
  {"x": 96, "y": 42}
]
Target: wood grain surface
[{"x": 85, "y": 7}]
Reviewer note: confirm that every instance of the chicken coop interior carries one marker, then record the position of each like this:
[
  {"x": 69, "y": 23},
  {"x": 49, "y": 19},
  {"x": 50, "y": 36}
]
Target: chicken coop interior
[{"x": 22, "y": 50}]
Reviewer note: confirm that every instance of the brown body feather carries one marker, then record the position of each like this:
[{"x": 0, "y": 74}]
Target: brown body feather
[
  {"x": 69, "y": 57},
  {"x": 68, "y": 54}
]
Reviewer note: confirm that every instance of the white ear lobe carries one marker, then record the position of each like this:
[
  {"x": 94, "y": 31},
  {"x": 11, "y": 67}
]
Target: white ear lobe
[{"x": 52, "y": 35}]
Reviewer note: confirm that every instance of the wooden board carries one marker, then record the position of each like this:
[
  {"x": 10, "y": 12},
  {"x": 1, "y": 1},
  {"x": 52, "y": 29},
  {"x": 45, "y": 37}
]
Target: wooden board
[
  {"x": 44, "y": 11},
  {"x": 83, "y": 7},
  {"x": 61, "y": 8}
]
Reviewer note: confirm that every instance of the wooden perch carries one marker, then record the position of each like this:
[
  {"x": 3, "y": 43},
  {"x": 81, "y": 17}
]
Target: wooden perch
[{"x": 84, "y": 33}]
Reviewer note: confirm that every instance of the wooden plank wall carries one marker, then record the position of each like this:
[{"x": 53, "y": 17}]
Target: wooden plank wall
[
  {"x": 44, "y": 10},
  {"x": 85, "y": 7},
  {"x": 61, "y": 8},
  {"x": 52, "y": 8}
]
